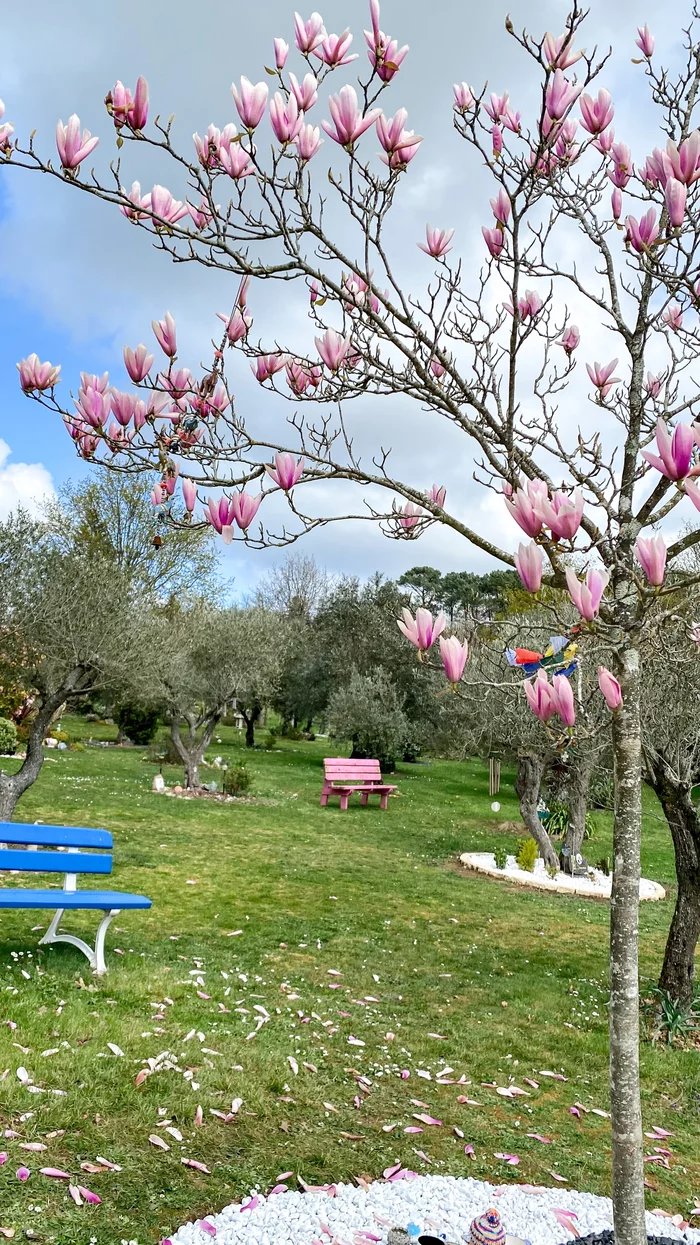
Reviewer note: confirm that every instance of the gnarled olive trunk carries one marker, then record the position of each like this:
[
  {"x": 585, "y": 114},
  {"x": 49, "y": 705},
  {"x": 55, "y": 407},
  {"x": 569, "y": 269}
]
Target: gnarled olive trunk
[
  {"x": 625, "y": 1103},
  {"x": 528, "y": 781},
  {"x": 192, "y": 747},
  {"x": 675, "y": 796},
  {"x": 250, "y": 717},
  {"x": 578, "y": 787},
  {"x": 13, "y": 786}
]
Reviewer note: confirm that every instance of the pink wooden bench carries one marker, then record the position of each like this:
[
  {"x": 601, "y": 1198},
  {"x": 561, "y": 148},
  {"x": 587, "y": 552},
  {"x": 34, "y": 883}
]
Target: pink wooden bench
[{"x": 343, "y": 776}]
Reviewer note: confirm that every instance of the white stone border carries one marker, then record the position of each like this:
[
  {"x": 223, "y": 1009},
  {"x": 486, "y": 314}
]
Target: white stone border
[{"x": 562, "y": 884}]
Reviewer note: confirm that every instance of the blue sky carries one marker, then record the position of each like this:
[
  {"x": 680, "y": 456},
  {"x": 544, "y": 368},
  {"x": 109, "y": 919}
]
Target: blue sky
[{"x": 76, "y": 281}]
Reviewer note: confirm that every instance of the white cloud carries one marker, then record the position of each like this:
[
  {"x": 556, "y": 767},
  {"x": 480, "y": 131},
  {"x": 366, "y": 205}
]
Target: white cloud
[{"x": 22, "y": 484}]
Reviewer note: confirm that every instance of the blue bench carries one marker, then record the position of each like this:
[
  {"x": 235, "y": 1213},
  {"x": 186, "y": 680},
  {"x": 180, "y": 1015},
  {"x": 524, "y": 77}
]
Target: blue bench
[{"x": 30, "y": 857}]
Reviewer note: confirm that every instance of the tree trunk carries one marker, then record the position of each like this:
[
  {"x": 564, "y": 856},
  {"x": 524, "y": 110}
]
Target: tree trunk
[
  {"x": 579, "y": 783},
  {"x": 191, "y": 751},
  {"x": 625, "y": 1102},
  {"x": 528, "y": 781},
  {"x": 13, "y": 786},
  {"x": 678, "y": 972},
  {"x": 250, "y": 717}
]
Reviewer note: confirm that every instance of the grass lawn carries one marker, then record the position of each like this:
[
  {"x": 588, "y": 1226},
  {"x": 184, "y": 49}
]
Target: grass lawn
[{"x": 354, "y": 925}]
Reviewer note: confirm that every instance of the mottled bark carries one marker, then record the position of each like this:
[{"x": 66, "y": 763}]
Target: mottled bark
[
  {"x": 528, "y": 781},
  {"x": 675, "y": 796},
  {"x": 625, "y": 1103}
]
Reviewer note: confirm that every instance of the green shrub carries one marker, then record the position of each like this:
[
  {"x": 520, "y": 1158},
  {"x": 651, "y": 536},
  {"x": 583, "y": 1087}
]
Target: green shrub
[
  {"x": 137, "y": 721},
  {"x": 556, "y": 822},
  {"x": 8, "y": 736},
  {"x": 236, "y": 779},
  {"x": 78, "y": 747},
  {"x": 61, "y": 737},
  {"x": 552, "y": 871},
  {"x": 368, "y": 712},
  {"x": 526, "y": 855},
  {"x": 500, "y": 857}
]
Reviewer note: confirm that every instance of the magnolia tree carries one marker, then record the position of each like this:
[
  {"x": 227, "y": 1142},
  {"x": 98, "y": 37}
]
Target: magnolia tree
[{"x": 494, "y": 354}]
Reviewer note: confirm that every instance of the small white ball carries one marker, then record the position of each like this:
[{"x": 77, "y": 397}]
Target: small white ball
[{"x": 495, "y": 807}]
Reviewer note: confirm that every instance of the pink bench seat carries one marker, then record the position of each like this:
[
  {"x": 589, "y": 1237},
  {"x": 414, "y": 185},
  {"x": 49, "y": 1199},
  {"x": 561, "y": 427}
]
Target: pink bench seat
[{"x": 343, "y": 776}]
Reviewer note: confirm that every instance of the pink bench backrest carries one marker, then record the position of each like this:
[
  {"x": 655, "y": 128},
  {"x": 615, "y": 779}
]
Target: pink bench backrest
[{"x": 343, "y": 770}]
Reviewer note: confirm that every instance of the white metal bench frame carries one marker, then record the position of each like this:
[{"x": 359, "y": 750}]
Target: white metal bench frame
[{"x": 96, "y": 954}]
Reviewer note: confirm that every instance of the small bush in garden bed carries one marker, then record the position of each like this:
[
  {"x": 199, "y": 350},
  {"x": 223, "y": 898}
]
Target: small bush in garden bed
[
  {"x": 236, "y": 780},
  {"x": 500, "y": 857},
  {"x": 527, "y": 853}
]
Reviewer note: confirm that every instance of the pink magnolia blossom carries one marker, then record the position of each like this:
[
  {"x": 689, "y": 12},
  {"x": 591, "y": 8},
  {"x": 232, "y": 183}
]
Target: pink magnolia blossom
[
  {"x": 683, "y": 162},
  {"x": 463, "y": 96},
  {"x": 556, "y": 54},
  {"x": 244, "y": 508},
  {"x": 138, "y": 362},
  {"x": 438, "y": 494},
  {"x": 285, "y": 118},
  {"x": 300, "y": 378},
  {"x": 494, "y": 239},
  {"x": 6, "y": 132},
  {"x": 422, "y": 631},
  {"x": 604, "y": 142},
  {"x": 237, "y": 324},
  {"x": 528, "y": 564},
  {"x": 437, "y": 241},
  {"x": 497, "y": 106},
  {"x": 123, "y": 407},
  {"x": 251, "y": 101},
  {"x": 616, "y": 203},
  {"x": 672, "y": 317},
  {"x": 563, "y": 514},
  {"x": 135, "y": 207},
  {"x": 651, "y": 551},
  {"x": 675, "y": 194},
  {"x": 23, "y": 1173},
  {"x": 563, "y": 699},
  {"x": 596, "y": 114},
  {"x": 308, "y": 141},
  {"x": 602, "y": 377},
  {"x": 529, "y": 306},
  {"x": 521, "y": 505},
  {"x": 409, "y": 516},
  {"x": 287, "y": 470},
  {"x": 500, "y": 206},
  {"x": 437, "y": 368},
  {"x": 281, "y": 53},
  {"x": 189, "y": 494},
  {"x": 454, "y": 657},
  {"x": 202, "y": 215},
  {"x": 610, "y": 688},
  {"x": 349, "y": 123},
  {"x": 587, "y": 596},
  {"x": 539, "y": 696},
  {"x": 73, "y": 147},
  {"x": 165, "y": 208},
  {"x": 306, "y": 92},
  {"x": 560, "y": 95},
  {"x": 266, "y": 365},
  {"x": 497, "y": 141},
  {"x": 93, "y": 406},
  {"x": 166, "y": 335},
  {"x": 390, "y": 131},
  {"x": 405, "y": 151},
  {"x": 308, "y": 35},
  {"x": 36, "y": 375},
  {"x": 209, "y": 148},
  {"x": 218, "y": 513},
  {"x": 128, "y": 109},
  {"x": 384, "y": 54},
  {"x": 645, "y": 41},
  {"x": 622, "y": 165},
  {"x": 333, "y": 50},
  {"x": 653, "y": 385},
  {"x": 570, "y": 339},
  {"x": 333, "y": 349},
  {"x": 675, "y": 450},
  {"x": 358, "y": 292},
  {"x": 235, "y": 161},
  {"x": 642, "y": 234}
]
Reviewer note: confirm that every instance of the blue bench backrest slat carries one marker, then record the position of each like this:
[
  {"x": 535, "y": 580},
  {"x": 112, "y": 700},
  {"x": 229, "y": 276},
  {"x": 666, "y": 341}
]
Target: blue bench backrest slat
[
  {"x": 53, "y": 836},
  {"x": 55, "y": 862}
]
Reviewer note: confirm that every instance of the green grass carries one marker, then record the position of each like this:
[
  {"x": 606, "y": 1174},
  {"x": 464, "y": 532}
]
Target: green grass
[{"x": 515, "y": 981}]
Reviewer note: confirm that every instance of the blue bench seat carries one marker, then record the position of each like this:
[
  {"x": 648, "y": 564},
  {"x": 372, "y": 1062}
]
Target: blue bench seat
[{"x": 30, "y": 855}]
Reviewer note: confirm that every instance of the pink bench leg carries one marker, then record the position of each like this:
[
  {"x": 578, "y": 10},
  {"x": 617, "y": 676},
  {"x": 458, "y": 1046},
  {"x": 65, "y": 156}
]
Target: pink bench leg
[
  {"x": 324, "y": 798},
  {"x": 365, "y": 796},
  {"x": 384, "y": 800},
  {"x": 345, "y": 796}
]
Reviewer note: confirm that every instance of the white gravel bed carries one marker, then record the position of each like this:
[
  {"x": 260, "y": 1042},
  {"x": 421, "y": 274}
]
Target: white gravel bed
[
  {"x": 598, "y": 886},
  {"x": 441, "y": 1204}
]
